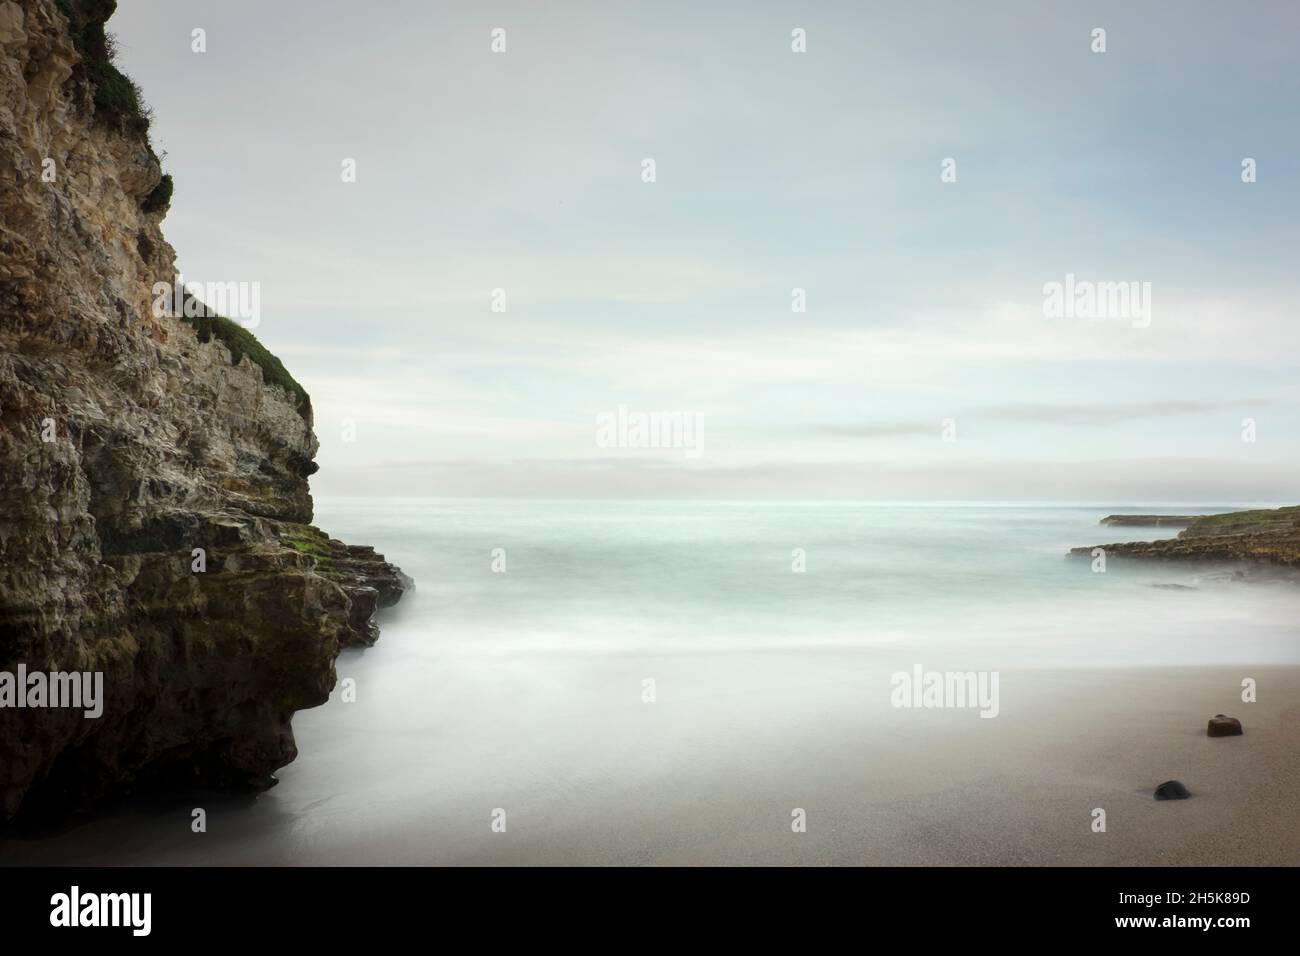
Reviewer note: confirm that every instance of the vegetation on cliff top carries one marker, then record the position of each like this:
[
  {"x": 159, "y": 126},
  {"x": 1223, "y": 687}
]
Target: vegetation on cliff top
[
  {"x": 119, "y": 103},
  {"x": 118, "y": 99},
  {"x": 1240, "y": 522},
  {"x": 242, "y": 342}
]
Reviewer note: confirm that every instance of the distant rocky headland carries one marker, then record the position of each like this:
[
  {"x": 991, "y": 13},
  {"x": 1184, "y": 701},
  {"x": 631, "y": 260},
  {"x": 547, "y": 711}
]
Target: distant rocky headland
[
  {"x": 1148, "y": 521},
  {"x": 1264, "y": 538},
  {"x": 155, "y": 515}
]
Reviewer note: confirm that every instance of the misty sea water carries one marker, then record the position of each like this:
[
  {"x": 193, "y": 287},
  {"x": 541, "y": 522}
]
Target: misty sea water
[
  {"x": 986, "y": 585},
  {"x": 525, "y": 688}
]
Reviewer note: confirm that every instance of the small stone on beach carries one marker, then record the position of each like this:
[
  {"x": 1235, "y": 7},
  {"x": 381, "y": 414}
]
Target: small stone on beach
[
  {"x": 1222, "y": 725},
  {"x": 1172, "y": 790}
]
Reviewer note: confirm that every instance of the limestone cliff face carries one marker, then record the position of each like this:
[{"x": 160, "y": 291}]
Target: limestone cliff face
[{"x": 125, "y": 444}]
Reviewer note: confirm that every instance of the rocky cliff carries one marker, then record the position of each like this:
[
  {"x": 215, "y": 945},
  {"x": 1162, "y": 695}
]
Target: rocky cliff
[{"x": 155, "y": 517}]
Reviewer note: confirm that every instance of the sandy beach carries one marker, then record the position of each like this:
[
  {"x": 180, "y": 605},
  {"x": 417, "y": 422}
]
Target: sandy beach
[
  {"x": 713, "y": 778},
  {"x": 902, "y": 787}
]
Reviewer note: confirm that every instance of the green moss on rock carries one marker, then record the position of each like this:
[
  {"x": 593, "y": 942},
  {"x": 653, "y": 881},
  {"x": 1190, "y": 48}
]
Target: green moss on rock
[{"x": 305, "y": 539}]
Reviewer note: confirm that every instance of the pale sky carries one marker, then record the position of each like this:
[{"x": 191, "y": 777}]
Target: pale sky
[{"x": 775, "y": 170}]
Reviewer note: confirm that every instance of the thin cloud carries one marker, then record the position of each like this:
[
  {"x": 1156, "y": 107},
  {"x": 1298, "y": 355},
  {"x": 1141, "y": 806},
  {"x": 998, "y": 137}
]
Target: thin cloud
[
  {"x": 1110, "y": 414},
  {"x": 1211, "y": 481},
  {"x": 1050, "y": 414}
]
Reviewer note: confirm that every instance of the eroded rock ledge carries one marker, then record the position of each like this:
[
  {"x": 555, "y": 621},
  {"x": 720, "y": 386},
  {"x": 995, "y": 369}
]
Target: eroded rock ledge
[
  {"x": 1148, "y": 521},
  {"x": 1259, "y": 539},
  {"x": 131, "y": 453}
]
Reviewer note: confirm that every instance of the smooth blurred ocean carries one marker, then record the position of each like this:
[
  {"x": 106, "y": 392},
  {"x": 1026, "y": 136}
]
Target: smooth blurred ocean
[
  {"x": 526, "y": 688},
  {"x": 989, "y": 584}
]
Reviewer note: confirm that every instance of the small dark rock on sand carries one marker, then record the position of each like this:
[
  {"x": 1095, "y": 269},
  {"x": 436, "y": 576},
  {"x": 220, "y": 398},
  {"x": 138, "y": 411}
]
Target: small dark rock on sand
[
  {"x": 1222, "y": 725},
  {"x": 1172, "y": 790}
]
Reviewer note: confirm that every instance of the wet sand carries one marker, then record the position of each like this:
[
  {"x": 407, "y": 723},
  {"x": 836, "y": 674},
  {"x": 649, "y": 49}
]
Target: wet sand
[{"x": 713, "y": 777}]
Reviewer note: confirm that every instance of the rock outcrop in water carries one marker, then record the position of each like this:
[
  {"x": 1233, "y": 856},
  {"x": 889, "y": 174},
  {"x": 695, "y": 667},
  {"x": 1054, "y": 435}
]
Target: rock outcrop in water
[
  {"x": 1266, "y": 538},
  {"x": 128, "y": 441},
  {"x": 1148, "y": 521}
]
